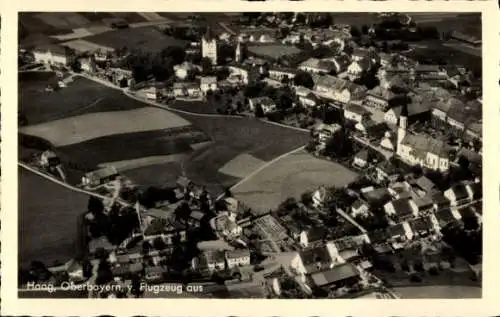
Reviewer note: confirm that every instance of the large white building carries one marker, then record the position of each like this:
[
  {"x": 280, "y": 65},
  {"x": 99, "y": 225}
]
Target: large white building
[
  {"x": 209, "y": 46},
  {"x": 420, "y": 150}
]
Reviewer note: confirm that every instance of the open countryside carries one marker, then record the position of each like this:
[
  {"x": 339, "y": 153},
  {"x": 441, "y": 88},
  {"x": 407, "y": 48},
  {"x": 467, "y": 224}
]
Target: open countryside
[{"x": 264, "y": 155}]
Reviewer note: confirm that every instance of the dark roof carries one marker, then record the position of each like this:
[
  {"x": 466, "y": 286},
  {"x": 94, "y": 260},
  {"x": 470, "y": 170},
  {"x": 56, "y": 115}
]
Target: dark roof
[
  {"x": 440, "y": 200},
  {"x": 377, "y": 196},
  {"x": 396, "y": 230},
  {"x": 378, "y": 236},
  {"x": 460, "y": 191},
  {"x": 316, "y": 234},
  {"x": 477, "y": 190},
  {"x": 335, "y": 274},
  {"x": 421, "y": 224},
  {"x": 363, "y": 154},
  {"x": 357, "y": 204},
  {"x": 444, "y": 216},
  {"x": 425, "y": 184},
  {"x": 423, "y": 144},
  {"x": 314, "y": 256},
  {"x": 387, "y": 167},
  {"x": 356, "y": 109},
  {"x": 402, "y": 206}
]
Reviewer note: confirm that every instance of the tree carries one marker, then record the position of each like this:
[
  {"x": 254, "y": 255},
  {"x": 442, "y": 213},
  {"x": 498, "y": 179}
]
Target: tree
[
  {"x": 159, "y": 244},
  {"x": 76, "y": 66},
  {"x": 182, "y": 212},
  {"x": 259, "y": 112},
  {"x": 176, "y": 53},
  {"x": 355, "y": 32},
  {"x": 306, "y": 198},
  {"x": 95, "y": 205},
  {"x": 364, "y": 29},
  {"x": 304, "y": 79}
]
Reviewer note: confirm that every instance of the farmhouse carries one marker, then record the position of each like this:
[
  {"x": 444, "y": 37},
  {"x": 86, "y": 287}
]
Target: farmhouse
[
  {"x": 458, "y": 194},
  {"x": 100, "y": 177},
  {"x": 358, "y": 67},
  {"x": 53, "y": 54},
  {"x": 306, "y": 97},
  {"x": 400, "y": 233},
  {"x": 211, "y": 260},
  {"x": 267, "y": 104}
]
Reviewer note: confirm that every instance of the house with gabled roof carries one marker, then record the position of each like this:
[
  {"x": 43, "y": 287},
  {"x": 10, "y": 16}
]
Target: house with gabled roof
[
  {"x": 100, "y": 177},
  {"x": 403, "y": 209},
  {"x": 457, "y": 194}
]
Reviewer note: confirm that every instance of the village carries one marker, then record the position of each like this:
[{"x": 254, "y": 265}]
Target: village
[{"x": 409, "y": 126}]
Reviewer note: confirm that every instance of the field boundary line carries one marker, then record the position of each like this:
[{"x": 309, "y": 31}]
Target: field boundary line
[{"x": 263, "y": 166}]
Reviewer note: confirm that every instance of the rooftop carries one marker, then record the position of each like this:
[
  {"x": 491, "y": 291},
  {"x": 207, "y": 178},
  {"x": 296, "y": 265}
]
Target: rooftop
[{"x": 335, "y": 274}]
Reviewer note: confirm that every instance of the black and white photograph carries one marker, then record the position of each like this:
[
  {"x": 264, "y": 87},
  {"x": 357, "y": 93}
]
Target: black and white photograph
[{"x": 271, "y": 155}]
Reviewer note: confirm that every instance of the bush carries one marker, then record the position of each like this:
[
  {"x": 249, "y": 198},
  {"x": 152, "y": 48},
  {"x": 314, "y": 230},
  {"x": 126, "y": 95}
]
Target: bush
[{"x": 415, "y": 278}]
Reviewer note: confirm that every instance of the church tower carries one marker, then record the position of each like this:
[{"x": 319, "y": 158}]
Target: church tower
[
  {"x": 237, "y": 53},
  {"x": 209, "y": 46},
  {"x": 403, "y": 125}
]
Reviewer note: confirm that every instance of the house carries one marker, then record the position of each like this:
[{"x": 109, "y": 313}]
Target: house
[
  {"x": 440, "y": 201},
  {"x": 186, "y": 90},
  {"x": 319, "y": 196},
  {"x": 377, "y": 198},
  {"x": 345, "y": 249},
  {"x": 446, "y": 216},
  {"x": 281, "y": 74},
  {"x": 423, "y": 226},
  {"x": 338, "y": 276},
  {"x": 210, "y": 260},
  {"x": 386, "y": 171},
  {"x": 400, "y": 233},
  {"x": 358, "y": 67},
  {"x": 359, "y": 54},
  {"x": 88, "y": 64},
  {"x": 226, "y": 226},
  {"x": 360, "y": 209},
  {"x": 423, "y": 186},
  {"x": 306, "y": 97},
  {"x": 338, "y": 90},
  {"x": 361, "y": 159},
  {"x": 379, "y": 98},
  {"x": 208, "y": 83},
  {"x": 154, "y": 274},
  {"x": 317, "y": 259},
  {"x": 402, "y": 208},
  {"x": 458, "y": 194},
  {"x": 388, "y": 141},
  {"x": 53, "y": 54},
  {"x": 341, "y": 63},
  {"x": 266, "y": 103},
  {"x": 440, "y": 110},
  {"x": 239, "y": 73},
  {"x": 425, "y": 204},
  {"x": 195, "y": 218},
  {"x": 324, "y": 132},
  {"x": 239, "y": 257},
  {"x": 100, "y": 177},
  {"x": 312, "y": 235},
  {"x": 49, "y": 159},
  {"x": 356, "y": 113},
  {"x": 317, "y": 66},
  {"x": 152, "y": 93}
]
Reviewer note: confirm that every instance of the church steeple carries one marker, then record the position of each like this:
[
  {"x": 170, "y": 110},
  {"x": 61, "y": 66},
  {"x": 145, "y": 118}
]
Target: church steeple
[
  {"x": 237, "y": 53},
  {"x": 209, "y": 35},
  {"x": 403, "y": 125}
]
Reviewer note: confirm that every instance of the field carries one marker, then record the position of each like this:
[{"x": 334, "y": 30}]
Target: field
[
  {"x": 274, "y": 51},
  {"x": 155, "y": 152},
  {"x": 146, "y": 39},
  {"x": 52, "y": 23},
  {"x": 83, "y": 128},
  {"x": 195, "y": 106},
  {"x": 290, "y": 177},
  {"x": 439, "y": 291},
  {"x": 47, "y": 222}
]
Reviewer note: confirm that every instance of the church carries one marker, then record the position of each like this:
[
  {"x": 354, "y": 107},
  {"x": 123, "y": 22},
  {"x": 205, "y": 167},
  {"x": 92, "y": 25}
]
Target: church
[
  {"x": 420, "y": 149},
  {"x": 209, "y": 46}
]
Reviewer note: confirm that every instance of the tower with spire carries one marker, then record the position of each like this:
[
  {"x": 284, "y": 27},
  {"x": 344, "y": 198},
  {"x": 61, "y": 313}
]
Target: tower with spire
[
  {"x": 403, "y": 125},
  {"x": 209, "y": 46},
  {"x": 237, "y": 53}
]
